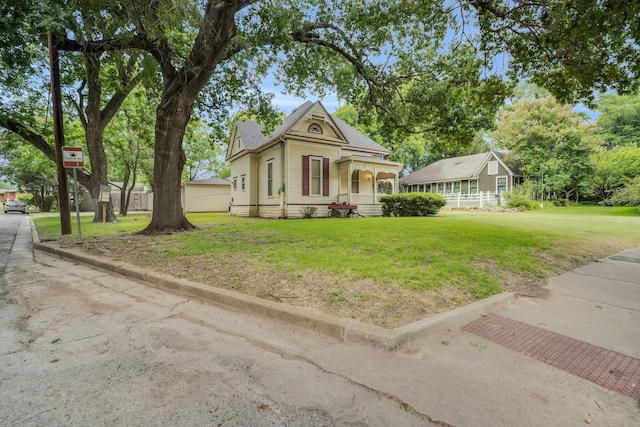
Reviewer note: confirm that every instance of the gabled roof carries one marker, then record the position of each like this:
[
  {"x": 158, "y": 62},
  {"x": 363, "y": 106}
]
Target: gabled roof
[
  {"x": 454, "y": 168},
  {"x": 253, "y": 138},
  {"x": 447, "y": 169}
]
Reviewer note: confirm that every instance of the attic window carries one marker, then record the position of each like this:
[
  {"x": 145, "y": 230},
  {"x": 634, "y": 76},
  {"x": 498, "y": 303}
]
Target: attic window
[
  {"x": 493, "y": 168},
  {"x": 318, "y": 116},
  {"x": 239, "y": 143},
  {"x": 314, "y": 128}
]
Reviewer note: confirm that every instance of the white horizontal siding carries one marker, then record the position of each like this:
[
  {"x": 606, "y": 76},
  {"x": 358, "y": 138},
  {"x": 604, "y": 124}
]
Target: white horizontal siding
[{"x": 295, "y": 151}]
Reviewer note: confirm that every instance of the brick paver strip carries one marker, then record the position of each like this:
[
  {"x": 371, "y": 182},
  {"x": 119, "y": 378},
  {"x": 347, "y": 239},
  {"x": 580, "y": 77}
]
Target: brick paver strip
[{"x": 607, "y": 368}]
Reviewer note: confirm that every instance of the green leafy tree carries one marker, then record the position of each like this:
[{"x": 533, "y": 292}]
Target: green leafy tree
[
  {"x": 570, "y": 47},
  {"x": 614, "y": 169},
  {"x": 413, "y": 150},
  {"x": 95, "y": 83},
  {"x": 552, "y": 143},
  {"x": 5, "y": 185},
  {"x": 619, "y": 119},
  {"x": 129, "y": 144},
  {"x": 215, "y": 54},
  {"x": 391, "y": 54},
  {"x": 204, "y": 152},
  {"x": 28, "y": 170}
]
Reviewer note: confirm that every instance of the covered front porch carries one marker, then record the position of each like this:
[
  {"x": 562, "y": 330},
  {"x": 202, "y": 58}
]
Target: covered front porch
[{"x": 363, "y": 180}]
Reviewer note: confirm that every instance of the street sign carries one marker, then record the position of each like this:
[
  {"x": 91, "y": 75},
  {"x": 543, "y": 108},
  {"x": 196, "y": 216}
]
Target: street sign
[{"x": 72, "y": 157}]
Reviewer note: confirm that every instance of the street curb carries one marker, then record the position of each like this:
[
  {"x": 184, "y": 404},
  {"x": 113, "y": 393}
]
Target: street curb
[{"x": 348, "y": 330}]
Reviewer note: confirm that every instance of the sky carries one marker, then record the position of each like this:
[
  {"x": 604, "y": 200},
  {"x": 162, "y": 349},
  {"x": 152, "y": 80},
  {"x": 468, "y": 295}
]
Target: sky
[{"x": 287, "y": 103}]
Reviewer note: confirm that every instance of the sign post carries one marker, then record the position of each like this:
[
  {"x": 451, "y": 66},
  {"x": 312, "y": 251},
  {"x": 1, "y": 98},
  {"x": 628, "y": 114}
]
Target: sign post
[
  {"x": 72, "y": 157},
  {"x": 105, "y": 194}
]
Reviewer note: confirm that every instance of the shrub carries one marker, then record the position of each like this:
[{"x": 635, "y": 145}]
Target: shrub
[
  {"x": 522, "y": 196},
  {"x": 308, "y": 212},
  {"x": 27, "y": 199},
  {"x": 628, "y": 195},
  {"x": 412, "y": 204}
]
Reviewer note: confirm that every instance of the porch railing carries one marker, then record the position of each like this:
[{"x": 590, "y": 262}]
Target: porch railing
[
  {"x": 360, "y": 199},
  {"x": 483, "y": 199}
]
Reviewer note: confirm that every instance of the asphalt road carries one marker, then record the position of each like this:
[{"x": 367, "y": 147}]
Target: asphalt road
[{"x": 82, "y": 347}]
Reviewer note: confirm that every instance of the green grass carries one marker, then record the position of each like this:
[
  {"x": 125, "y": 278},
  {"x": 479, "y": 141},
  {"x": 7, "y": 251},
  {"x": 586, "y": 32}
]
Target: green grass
[{"x": 474, "y": 252}]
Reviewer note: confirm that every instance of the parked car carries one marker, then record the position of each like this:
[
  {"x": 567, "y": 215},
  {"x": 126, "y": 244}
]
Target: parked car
[{"x": 15, "y": 206}]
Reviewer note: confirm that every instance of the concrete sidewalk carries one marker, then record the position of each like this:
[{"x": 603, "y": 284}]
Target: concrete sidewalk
[{"x": 474, "y": 379}]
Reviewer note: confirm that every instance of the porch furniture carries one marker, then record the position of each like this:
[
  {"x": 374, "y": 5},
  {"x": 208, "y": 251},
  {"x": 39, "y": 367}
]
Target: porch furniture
[{"x": 340, "y": 210}]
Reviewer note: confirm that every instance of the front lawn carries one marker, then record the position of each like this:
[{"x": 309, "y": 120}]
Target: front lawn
[{"x": 388, "y": 271}]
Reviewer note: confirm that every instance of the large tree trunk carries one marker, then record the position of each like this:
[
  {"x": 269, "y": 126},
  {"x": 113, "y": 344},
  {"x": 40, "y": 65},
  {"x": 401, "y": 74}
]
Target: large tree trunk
[
  {"x": 95, "y": 148},
  {"x": 179, "y": 90},
  {"x": 172, "y": 117},
  {"x": 95, "y": 123}
]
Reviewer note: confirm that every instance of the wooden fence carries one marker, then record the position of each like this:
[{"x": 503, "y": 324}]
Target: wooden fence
[{"x": 483, "y": 199}]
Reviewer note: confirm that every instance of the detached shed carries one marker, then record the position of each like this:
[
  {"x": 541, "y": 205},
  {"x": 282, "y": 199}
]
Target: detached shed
[{"x": 206, "y": 195}]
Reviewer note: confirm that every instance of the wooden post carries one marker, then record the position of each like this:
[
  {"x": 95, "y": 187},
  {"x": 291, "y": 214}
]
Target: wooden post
[{"x": 58, "y": 134}]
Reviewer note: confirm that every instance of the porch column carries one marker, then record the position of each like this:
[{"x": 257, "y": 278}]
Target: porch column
[
  {"x": 374, "y": 180},
  {"x": 349, "y": 183}
]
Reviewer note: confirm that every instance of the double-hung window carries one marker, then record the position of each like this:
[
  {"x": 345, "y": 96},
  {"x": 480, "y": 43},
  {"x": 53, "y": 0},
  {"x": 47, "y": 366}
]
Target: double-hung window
[
  {"x": 316, "y": 177},
  {"x": 501, "y": 184},
  {"x": 355, "y": 182},
  {"x": 270, "y": 178},
  {"x": 473, "y": 186}
]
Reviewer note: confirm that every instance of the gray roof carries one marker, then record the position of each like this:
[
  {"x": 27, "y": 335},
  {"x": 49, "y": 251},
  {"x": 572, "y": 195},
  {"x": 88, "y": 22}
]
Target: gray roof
[
  {"x": 216, "y": 181},
  {"x": 450, "y": 169},
  {"x": 252, "y": 136}
]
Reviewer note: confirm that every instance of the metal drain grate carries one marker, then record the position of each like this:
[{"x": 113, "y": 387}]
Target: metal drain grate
[{"x": 607, "y": 368}]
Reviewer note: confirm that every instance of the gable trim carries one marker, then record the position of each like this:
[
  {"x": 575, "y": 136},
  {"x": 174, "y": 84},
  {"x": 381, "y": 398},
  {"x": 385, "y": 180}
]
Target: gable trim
[{"x": 491, "y": 155}]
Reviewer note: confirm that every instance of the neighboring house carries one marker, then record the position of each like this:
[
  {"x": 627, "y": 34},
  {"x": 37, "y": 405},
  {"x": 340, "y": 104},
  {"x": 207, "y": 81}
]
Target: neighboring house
[
  {"x": 206, "y": 195},
  {"x": 466, "y": 175},
  {"x": 310, "y": 160},
  {"x": 141, "y": 199},
  {"x": 6, "y": 195}
]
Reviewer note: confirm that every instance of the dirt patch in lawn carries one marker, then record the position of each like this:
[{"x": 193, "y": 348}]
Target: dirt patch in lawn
[{"x": 385, "y": 305}]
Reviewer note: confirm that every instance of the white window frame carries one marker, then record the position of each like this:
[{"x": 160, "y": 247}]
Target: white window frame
[
  {"x": 243, "y": 182},
  {"x": 314, "y": 128},
  {"x": 471, "y": 189},
  {"x": 318, "y": 179},
  {"x": 448, "y": 187},
  {"x": 457, "y": 185},
  {"x": 492, "y": 167},
  {"x": 270, "y": 178},
  {"x": 441, "y": 188},
  {"x": 355, "y": 182},
  {"x": 506, "y": 183}
]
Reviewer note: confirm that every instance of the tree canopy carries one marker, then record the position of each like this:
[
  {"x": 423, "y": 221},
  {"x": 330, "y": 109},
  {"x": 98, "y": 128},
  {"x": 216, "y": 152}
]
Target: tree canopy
[
  {"x": 573, "y": 48},
  {"x": 551, "y": 142},
  {"x": 619, "y": 119}
]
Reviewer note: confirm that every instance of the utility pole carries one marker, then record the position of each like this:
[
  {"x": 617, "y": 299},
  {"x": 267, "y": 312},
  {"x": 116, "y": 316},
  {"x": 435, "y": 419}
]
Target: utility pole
[{"x": 58, "y": 134}]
